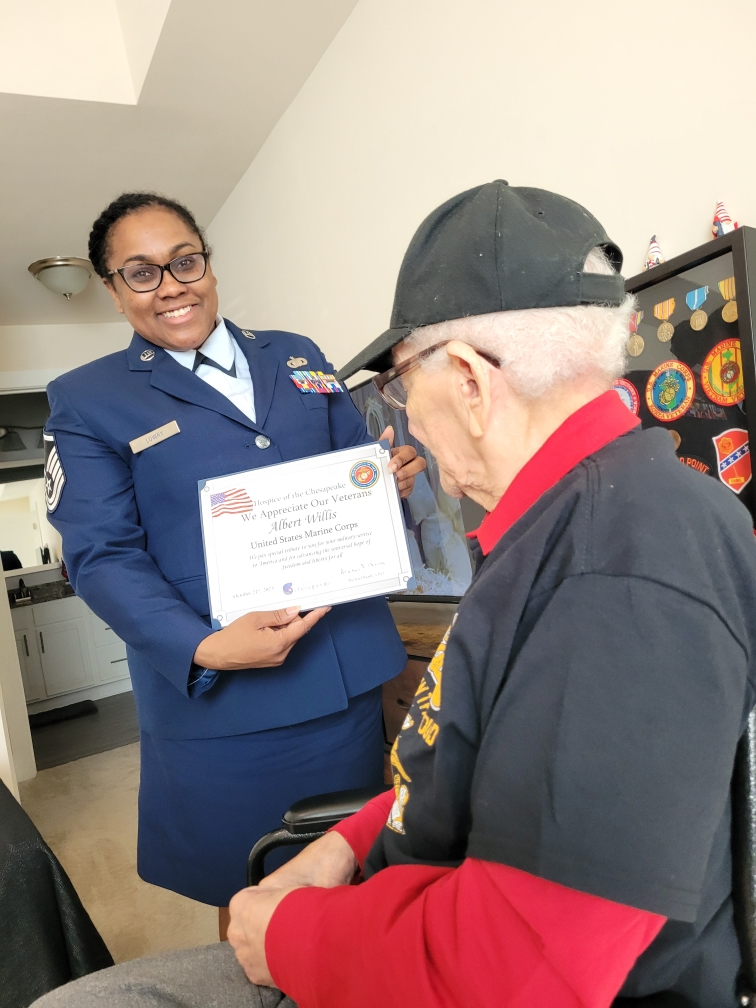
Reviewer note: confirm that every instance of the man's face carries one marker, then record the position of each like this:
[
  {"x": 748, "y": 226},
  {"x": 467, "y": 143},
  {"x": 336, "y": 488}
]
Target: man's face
[
  {"x": 177, "y": 316},
  {"x": 433, "y": 418}
]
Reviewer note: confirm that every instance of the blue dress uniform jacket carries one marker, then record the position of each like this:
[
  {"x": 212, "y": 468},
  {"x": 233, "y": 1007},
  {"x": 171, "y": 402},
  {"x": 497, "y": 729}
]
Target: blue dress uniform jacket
[{"x": 132, "y": 537}]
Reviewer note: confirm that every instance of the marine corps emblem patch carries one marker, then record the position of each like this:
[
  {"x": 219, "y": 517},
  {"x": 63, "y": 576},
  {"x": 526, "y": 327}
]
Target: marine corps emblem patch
[
  {"x": 670, "y": 390},
  {"x": 733, "y": 458},
  {"x": 722, "y": 374}
]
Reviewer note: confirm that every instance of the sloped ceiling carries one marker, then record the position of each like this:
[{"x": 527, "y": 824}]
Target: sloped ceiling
[{"x": 221, "y": 76}]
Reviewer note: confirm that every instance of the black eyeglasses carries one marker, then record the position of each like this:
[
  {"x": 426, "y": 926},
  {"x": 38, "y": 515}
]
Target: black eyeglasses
[
  {"x": 390, "y": 384},
  {"x": 145, "y": 277}
]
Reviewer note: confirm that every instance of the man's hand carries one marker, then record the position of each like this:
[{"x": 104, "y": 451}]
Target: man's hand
[
  {"x": 257, "y": 640},
  {"x": 327, "y": 862},
  {"x": 251, "y": 910},
  {"x": 405, "y": 463}
]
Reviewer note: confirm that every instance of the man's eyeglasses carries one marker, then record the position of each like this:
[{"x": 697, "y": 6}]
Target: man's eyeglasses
[
  {"x": 390, "y": 384},
  {"x": 145, "y": 277}
]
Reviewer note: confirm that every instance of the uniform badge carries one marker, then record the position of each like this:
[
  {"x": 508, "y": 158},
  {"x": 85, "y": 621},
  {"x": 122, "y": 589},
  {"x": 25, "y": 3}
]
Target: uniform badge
[
  {"x": 146, "y": 355},
  {"x": 670, "y": 390},
  {"x": 315, "y": 381},
  {"x": 248, "y": 333},
  {"x": 55, "y": 477},
  {"x": 733, "y": 458},
  {"x": 693, "y": 462},
  {"x": 722, "y": 374},
  {"x": 296, "y": 362},
  {"x": 154, "y": 437},
  {"x": 628, "y": 394}
]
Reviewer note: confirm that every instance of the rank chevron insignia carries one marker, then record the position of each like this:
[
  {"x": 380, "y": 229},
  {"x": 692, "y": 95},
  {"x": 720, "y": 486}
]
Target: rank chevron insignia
[{"x": 55, "y": 477}]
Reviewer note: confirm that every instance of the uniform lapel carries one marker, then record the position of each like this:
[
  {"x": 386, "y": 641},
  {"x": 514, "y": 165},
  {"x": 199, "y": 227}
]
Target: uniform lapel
[
  {"x": 263, "y": 367},
  {"x": 180, "y": 382}
]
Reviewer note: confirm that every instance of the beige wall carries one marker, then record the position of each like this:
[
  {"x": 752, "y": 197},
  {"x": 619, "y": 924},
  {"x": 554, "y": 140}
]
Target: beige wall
[
  {"x": 643, "y": 112},
  {"x": 17, "y": 530},
  {"x": 32, "y": 355}
]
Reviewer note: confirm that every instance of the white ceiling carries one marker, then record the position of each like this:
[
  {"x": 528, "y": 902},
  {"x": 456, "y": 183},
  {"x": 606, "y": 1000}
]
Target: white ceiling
[
  {"x": 222, "y": 74},
  {"x": 91, "y": 50}
]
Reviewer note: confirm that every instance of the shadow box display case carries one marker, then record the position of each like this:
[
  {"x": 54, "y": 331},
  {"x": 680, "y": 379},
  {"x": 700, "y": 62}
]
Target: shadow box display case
[{"x": 691, "y": 364}]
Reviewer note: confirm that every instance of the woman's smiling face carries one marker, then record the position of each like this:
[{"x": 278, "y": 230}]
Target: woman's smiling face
[{"x": 177, "y": 316}]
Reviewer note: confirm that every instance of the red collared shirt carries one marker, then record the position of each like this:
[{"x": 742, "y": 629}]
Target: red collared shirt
[{"x": 584, "y": 432}]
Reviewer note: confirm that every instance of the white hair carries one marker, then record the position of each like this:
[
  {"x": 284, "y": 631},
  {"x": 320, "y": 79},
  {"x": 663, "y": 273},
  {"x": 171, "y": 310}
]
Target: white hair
[{"x": 541, "y": 348}]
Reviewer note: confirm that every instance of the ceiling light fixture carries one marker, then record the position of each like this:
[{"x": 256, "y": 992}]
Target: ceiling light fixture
[{"x": 64, "y": 275}]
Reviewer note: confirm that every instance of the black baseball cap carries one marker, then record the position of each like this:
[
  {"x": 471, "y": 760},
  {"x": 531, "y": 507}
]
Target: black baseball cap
[{"x": 495, "y": 248}]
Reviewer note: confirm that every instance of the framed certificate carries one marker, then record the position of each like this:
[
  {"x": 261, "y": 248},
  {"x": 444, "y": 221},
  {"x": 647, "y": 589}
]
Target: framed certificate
[{"x": 315, "y": 531}]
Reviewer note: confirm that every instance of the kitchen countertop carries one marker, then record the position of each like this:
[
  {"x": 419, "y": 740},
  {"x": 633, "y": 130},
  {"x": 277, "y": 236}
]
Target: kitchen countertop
[{"x": 47, "y": 592}]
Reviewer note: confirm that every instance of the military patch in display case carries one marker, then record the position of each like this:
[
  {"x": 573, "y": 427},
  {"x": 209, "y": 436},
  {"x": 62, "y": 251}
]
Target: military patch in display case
[{"x": 691, "y": 360}]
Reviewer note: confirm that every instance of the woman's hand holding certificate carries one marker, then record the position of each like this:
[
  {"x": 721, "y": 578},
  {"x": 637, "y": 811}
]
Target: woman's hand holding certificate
[
  {"x": 257, "y": 640},
  {"x": 312, "y": 532}
]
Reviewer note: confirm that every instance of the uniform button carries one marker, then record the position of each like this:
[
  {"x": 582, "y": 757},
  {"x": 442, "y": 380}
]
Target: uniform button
[{"x": 262, "y": 442}]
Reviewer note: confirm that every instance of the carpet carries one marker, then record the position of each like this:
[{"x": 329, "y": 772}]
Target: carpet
[{"x": 87, "y": 812}]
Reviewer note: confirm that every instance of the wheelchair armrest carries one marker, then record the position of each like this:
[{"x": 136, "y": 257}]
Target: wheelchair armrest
[{"x": 320, "y": 813}]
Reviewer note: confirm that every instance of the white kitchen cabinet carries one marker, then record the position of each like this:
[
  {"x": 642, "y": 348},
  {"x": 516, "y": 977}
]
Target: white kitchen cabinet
[
  {"x": 109, "y": 651},
  {"x": 111, "y": 662},
  {"x": 64, "y": 654},
  {"x": 31, "y": 669},
  {"x": 64, "y": 649}
]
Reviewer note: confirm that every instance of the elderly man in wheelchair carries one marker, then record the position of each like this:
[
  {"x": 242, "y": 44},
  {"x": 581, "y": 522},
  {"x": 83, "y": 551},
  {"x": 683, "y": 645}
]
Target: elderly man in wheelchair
[{"x": 559, "y": 831}]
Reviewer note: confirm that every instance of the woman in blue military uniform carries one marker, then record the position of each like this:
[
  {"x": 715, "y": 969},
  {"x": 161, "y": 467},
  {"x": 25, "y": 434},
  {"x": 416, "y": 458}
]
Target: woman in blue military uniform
[{"x": 237, "y": 723}]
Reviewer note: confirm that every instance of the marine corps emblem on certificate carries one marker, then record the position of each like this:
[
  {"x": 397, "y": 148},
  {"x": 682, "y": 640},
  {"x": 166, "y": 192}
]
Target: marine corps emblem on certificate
[
  {"x": 670, "y": 390},
  {"x": 722, "y": 374},
  {"x": 363, "y": 474},
  {"x": 628, "y": 394},
  {"x": 733, "y": 458}
]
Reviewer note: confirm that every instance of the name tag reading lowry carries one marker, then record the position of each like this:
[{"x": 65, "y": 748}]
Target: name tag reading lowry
[
  {"x": 316, "y": 531},
  {"x": 154, "y": 437}
]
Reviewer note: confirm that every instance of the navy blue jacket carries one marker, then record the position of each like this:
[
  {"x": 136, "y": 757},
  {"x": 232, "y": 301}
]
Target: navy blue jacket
[{"x": 132, "y": 539}]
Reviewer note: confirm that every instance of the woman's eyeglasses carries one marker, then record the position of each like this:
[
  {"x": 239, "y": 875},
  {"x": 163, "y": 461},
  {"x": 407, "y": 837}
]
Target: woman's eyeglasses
[
  {"x": 145, "y": 277},
  {"x": 390, "y": 384}
]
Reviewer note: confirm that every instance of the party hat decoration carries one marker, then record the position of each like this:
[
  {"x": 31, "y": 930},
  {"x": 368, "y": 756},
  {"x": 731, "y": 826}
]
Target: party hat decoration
[
  {"x": 722, "y": 223},
  {"x": 654, "y": 255}
]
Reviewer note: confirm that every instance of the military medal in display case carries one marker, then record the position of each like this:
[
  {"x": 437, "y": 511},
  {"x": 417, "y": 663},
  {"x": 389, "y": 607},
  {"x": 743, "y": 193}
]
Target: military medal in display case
[{"x": 691, "y": 367}]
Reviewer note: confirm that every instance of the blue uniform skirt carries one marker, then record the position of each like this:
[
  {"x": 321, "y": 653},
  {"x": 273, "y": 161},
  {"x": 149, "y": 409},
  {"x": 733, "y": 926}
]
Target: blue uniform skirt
[{"x": 203, "y": 803}]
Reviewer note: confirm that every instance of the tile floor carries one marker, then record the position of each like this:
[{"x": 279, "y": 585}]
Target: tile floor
[{"x": 87, "y": 812}]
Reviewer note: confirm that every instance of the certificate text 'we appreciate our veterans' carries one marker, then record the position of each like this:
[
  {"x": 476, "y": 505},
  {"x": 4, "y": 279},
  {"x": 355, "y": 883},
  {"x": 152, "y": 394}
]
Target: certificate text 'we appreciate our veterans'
[{"x": 316, "y": 531}]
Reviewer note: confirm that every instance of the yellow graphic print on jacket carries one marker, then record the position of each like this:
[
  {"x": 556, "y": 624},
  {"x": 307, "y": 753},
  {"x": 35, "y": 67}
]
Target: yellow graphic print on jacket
[{"x": 427, "y": 697}]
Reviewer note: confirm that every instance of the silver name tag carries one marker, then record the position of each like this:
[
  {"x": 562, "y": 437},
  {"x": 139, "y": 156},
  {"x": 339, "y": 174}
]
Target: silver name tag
[{"x": 154, "y": 437}]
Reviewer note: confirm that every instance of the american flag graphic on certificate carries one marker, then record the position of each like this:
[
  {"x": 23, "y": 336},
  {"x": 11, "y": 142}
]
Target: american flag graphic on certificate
[{"x": 230, "y": 502}]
